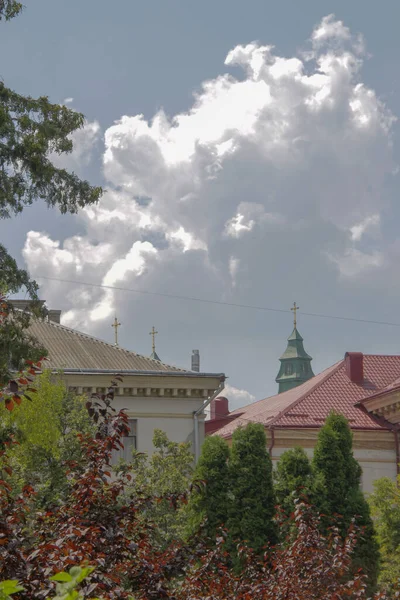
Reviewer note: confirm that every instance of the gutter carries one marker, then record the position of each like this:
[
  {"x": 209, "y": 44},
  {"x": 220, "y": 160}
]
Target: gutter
[
  {"x": 192, "y": 374},
  {"x": 196, "y": 417},
  {"x": 391, "y": 427},
  {"x": 272, "y": 430},
  {"x": 396, "y": 439}
]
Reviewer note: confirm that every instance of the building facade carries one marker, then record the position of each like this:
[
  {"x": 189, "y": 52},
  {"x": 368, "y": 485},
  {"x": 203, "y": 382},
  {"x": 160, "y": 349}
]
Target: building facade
[
  {"x": 154, "y": 394},
  {"x": 364, "y": 388}
]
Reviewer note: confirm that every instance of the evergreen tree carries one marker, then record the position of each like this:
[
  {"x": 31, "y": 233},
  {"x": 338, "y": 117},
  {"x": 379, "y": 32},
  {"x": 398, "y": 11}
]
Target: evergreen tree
[
  {"x": 293, "y": 479},
  {"x": 252, "y": 506},
  {"x": 210, "y": 501},
  {"x": 337, "y": 490},
  {"x": 385, "y": 510}
]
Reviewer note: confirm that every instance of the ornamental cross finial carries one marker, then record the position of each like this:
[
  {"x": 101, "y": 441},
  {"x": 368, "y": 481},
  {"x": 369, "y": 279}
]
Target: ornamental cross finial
[
  {"x": 295, "y": 309},
  {"x": 153, "y": 333},
  {"x": 116, "y": 324}
]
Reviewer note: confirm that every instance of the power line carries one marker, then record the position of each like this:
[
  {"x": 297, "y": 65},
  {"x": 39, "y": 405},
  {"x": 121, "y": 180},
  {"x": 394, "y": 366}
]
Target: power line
[{"x": 216, "y": 302}]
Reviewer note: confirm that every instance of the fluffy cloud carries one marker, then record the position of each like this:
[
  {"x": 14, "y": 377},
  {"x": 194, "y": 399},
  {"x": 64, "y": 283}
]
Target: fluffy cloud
[
  {"x": 84, "y": 139},
  {"x": 237, "y": 398},
  {"x": 267, "y": 189}
]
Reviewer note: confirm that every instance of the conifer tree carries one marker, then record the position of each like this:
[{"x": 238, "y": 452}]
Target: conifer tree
[
  {"x": 252, "y": 506},
  {"x": 337, "y": 490},
  {"x": 293, "y": 480},
  {"x": 210, "y": 501}
]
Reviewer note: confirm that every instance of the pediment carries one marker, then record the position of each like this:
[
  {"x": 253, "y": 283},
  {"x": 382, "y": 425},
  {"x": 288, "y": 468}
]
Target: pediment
[{"x": 385, "y": 405}]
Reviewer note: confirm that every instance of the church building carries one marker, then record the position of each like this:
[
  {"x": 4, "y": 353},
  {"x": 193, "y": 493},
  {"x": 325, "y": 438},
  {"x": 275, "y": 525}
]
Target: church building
[{"x": 365, "y": 388}]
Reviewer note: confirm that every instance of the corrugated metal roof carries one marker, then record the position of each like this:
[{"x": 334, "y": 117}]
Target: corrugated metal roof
[
  {"x": 309, "y": 404},
  {"x": 71, "y": 349}
]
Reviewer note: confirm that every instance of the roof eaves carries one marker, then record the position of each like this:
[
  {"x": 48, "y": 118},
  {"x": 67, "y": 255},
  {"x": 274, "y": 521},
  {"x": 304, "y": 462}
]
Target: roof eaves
[
  {"x": 385, "y": 425},
  {"x": 379, "y": 420},
  {"x": 380, "y": 394},
  {"x": 139, "y": 372}
]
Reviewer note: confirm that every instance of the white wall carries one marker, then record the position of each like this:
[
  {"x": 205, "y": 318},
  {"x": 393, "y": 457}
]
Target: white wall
[
  {"x": 172, "y": 415},
  {"x": 374, "y": 463}
]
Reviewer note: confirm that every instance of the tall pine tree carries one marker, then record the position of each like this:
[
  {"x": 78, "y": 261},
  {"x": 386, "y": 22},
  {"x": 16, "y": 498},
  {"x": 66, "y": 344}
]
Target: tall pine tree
[
  {"x": 210, "y": 502},
  {"x": 252, "y": 506},
  {"x": 337, "y": 490}
]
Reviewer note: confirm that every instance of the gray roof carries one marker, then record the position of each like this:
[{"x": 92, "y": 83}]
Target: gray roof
[{"x": 72, "y": 350}]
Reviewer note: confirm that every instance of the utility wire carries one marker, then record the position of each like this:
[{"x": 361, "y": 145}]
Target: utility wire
[{"x": 215, "y": 302}]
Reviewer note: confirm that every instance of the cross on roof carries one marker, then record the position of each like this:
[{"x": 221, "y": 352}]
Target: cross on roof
[
  {"x": 153, "y": 333},
  {"x": 295, "y": 308},
  {"x": 116, "y": 324}
]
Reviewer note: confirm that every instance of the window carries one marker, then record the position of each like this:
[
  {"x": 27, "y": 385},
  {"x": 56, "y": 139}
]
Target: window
[
  {"x": 130, "y": 443},
  {"x": 288, "y": 369}
]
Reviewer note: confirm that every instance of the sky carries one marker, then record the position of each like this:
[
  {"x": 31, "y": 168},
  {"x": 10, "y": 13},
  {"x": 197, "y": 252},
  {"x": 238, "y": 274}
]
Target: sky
[{"x": 250, "y": 155}]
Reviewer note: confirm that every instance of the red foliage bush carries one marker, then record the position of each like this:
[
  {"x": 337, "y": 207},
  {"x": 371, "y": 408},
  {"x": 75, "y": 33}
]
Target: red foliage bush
[{"x": 96, "y": 525}]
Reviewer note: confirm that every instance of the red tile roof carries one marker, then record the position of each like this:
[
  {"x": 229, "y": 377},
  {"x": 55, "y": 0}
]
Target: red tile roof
[{"x": 309, "y": 404}]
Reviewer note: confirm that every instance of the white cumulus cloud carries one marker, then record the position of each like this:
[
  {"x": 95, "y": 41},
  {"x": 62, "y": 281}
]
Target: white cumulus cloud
[{"x": 258, "y": 191}]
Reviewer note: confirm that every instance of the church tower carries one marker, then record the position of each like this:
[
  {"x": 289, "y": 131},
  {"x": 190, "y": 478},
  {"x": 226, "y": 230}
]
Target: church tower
[{"x": 295, "y": 362}]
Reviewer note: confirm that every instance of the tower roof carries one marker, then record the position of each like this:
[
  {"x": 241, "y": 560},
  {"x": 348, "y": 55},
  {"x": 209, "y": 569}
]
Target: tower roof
[
  {"x": 295, "y": 348},
  {"x": 295, "y": 362},
  {"x": 155, "y": 356}
]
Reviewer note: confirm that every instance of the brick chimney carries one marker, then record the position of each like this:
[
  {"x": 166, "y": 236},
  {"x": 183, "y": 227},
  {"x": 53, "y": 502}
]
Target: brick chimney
[
  {"x": 219, "y": 408},
  {"x": 354, "y": 362},
  {"x": 54, "y": 315}
]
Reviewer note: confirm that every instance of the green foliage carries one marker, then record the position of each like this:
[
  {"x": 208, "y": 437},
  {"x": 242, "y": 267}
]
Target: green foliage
[
  {"x": 46, "y": 429},
  {"x": 67, "y": 583},
  {"x": 252, "y": 506},
  {"x": 30, "y": 130},
  {"x": 337, "y": 471},
  {"x": 16, "y": 343},
  {"x": 337, "y": 477},
  {"x": 9, "y": 9},
  {"x": 95, "y": 525},
  {"x": 385, "y": 510},
  {"x": 8, "y": 588},
  {"x": 209, "y": 502},
  {"x": 167, "y": 472},
  {"x": 293, "y": 480}
]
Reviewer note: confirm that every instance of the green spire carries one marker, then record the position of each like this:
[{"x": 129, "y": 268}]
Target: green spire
[
  {"x": 295, "y": 362},
  {"x": 155, "y": 356}
]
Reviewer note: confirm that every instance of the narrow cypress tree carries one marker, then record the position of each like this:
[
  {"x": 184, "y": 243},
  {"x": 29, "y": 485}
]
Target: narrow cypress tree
[
  {"x": 252, "y": 506},
  {"x": 211, "y": 501},
  {"x": 293, "y": 479},
  {"x": 337, "y": 490}
]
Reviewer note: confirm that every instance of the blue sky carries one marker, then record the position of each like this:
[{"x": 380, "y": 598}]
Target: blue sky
[{"x": 266, "y": 226}]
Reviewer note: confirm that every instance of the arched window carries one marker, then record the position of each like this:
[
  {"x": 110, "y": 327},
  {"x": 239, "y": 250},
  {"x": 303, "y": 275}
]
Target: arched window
[{"x": 288, "y": 369}]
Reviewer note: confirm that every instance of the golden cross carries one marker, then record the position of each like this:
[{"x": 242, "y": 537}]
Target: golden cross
[
  {"x": 116, "y": 324},
  {"x": 153, "y": 333},
  {"x": 295, "y": 309}
]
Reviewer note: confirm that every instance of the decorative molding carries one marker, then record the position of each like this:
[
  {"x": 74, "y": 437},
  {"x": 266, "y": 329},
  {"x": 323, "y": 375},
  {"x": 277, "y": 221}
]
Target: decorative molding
[
  {"x": 140, "y": 415},
  {"x": 188, "y": 393}
]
